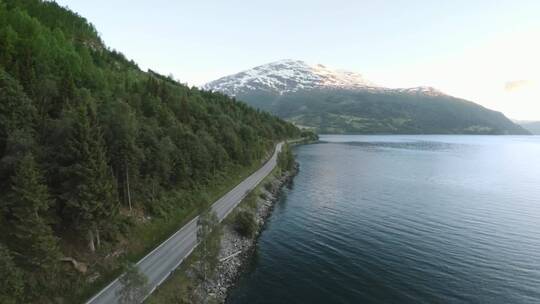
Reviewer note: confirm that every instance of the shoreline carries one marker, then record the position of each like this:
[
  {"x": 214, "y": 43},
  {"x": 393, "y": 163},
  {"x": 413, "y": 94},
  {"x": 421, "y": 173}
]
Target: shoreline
[{"x": 236, "y": 250}]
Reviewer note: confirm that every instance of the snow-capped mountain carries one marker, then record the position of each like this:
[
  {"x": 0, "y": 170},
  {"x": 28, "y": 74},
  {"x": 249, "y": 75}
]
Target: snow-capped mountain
[
  {"x": 293, "y": 75},
  {"x": 334, "y": 101}
]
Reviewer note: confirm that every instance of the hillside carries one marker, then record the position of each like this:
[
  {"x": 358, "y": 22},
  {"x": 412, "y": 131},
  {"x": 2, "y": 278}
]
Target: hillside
[
  {"x": 98, "y": 159},
  {"x": 531, "y": 126},
  {"x": 345, "y": 102}
]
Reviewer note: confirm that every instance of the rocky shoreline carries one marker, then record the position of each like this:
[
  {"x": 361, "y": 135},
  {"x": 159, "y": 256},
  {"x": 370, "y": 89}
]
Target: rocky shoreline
[{"x": 237, "y": 250}]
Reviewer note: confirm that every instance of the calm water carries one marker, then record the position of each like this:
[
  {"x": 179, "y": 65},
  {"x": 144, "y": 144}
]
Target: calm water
[{"x": 404, "y": 219}]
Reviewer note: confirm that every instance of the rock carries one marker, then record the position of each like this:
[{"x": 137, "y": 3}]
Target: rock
[
  {"x": 79, "y": 266},
  {"x": 93, "y": 277},
  {"x": 228, "y": 271}
]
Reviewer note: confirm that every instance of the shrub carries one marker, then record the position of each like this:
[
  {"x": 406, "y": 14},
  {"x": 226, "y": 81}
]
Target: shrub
[
  {"x": 245, "y": 224},
  {"x": 251, "y": 200},
  {"x": 268, "y": 186}
]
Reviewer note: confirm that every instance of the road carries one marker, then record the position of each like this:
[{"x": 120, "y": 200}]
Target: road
[{"x": 165, "y": 258}]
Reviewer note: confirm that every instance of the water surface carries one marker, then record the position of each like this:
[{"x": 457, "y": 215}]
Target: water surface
[{"x": 404, "y": 219}]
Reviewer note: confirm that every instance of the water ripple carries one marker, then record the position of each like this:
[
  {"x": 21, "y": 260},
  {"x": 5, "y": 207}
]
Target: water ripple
[{"x": 404, "y": 219}]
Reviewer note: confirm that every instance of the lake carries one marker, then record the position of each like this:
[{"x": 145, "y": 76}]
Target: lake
[{"x": 404, "y": 219}]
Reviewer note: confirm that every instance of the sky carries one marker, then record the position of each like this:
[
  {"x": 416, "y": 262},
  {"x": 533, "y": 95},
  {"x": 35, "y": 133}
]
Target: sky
[{"x": 484, "y": 51}]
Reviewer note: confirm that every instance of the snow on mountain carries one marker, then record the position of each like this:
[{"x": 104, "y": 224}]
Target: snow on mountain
[
  {"x": 420, "y": 90},
  {"x": 287, "y": 76},
  {"x": 294, "y": 75}
]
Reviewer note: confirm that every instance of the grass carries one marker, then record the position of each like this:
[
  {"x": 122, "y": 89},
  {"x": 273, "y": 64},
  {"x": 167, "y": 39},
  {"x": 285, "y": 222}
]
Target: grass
[
  {"x": 179, "y": 287},
  {"x": 143, "y": 238}
]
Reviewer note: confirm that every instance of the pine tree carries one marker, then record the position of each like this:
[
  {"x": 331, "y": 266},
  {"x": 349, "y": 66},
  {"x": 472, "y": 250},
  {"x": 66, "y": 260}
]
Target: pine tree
[
  {"x": 90, "y": 197},
  {"x": 32, "y": 238},
  {"x": 11, "y": 281},
  {"x": 120, "y": 137}
]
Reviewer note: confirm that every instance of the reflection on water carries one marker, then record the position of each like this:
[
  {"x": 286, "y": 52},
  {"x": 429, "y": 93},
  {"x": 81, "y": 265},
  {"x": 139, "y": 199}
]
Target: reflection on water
[
  {"x": 404, "y": 219},
  {"x": 414, "y": 145}
]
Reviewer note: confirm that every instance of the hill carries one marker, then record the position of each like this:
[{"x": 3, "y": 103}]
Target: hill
[
  {"x": 98, "y": 159},
  {"x": 531, "y": 126},
  {"x": 345, "y": 102}
]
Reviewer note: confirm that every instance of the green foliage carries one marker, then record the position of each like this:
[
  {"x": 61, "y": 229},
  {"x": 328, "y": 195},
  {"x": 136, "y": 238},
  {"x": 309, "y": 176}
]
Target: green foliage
[
  {"x": 244, "y": 223},
  {"x": 250, "y": 200},
  {"x": 134, "y": 285},
  {"x": 94, "y": 135},
  {"x": 309, "y": 135},
  {"x": 11, "y": 280},
  {"x": 207, "y": 224},
  {"x": 362, "y": 112},
  {"x": 89, "y": 193},
  {"x": 28, "y": 234},
  {"x": 268, "y": 186},
  {"x": 286, "y": 158},
  {"x": 27, "y": 203}
]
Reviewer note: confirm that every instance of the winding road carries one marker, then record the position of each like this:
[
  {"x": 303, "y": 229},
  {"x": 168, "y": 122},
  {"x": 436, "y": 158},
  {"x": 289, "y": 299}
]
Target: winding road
[{"x": 165, "y": 258}]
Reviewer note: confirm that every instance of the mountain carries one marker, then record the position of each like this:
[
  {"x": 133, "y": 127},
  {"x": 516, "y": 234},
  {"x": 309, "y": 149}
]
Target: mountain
[
  {"x": 287, "y": 76},
  {"x": 100, "y": 160},
  {"x": 330, "y": 101},
  {"x": 531, "y": 126}
]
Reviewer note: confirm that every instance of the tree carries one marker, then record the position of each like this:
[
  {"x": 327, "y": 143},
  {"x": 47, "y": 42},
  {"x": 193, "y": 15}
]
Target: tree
[
  {"x": 29, "y": 200},
  {"x": 120, "y": 134},
  {"x": 89, "y": 193},
  {"x": 286, "y": 158},
  {"x": 11, "y": 281},
  {"x": 206, "y": 224},
  {"x": 103, "y": 132},
  {"x": 16, "y": 113},
  {"x": 134, "y": 286},
  {"x": 244, "y": 223}
]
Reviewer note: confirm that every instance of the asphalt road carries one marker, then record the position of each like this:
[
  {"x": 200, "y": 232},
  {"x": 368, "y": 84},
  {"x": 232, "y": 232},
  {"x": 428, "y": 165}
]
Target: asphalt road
[{"x": 165, "y": 258}]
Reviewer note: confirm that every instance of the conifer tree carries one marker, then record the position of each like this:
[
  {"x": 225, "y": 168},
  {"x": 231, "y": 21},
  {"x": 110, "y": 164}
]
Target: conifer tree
[
  {"x": 29, "y": 200},
  {"x": 120, "y": 134},
  {"x": 91, "y": 116},
  {"x": 11, "y": 282},
  {"x": 90, "y": 196}
]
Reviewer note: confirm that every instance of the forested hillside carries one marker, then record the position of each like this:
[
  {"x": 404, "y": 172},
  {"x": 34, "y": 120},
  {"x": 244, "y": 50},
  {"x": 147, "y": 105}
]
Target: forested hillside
[
  {"x": 336, "y": 101},
  {"x": 91, "y": 146},
  {"x": 382, "y": 112},
  {"x": 532, "y": 126}
]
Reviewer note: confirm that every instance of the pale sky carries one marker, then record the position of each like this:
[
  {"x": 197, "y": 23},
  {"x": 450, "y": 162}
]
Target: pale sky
[{"x": 484, "y": 51}]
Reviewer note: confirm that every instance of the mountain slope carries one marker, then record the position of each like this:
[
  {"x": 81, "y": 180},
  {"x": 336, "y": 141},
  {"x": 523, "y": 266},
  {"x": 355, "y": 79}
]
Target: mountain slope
[
  {"x": 344, "y": 102},
  {"x": 98, "y": 159},
  {"x": 286, "y": 76},
  {"x": 532, "y": 126}
]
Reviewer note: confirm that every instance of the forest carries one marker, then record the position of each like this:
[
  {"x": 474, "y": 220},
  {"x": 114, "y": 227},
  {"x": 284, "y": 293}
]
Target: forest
[
  {"x": 90, "y": 144},
  {"x": 345, "y": 111}
]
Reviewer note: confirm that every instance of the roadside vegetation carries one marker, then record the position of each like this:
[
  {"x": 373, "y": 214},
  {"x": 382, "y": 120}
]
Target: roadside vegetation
[
  {"x": 100, "y": 161},
  {"x": 181, "y": 286},
  {"x": 309, "y": 135},
  {"x": 134, "y": 285},
  {"x": 207, "y": 226},
  {"x": 244, "y": 223}
]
